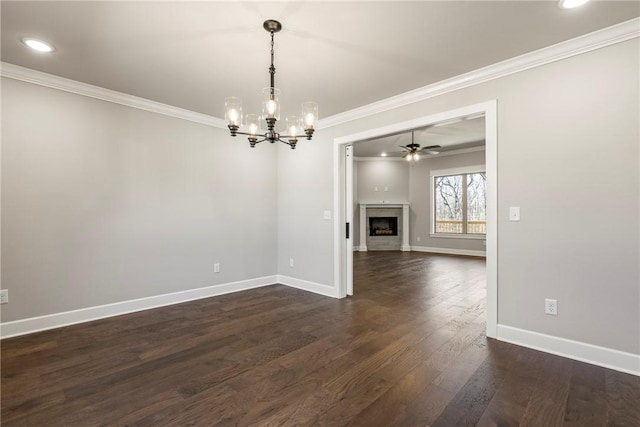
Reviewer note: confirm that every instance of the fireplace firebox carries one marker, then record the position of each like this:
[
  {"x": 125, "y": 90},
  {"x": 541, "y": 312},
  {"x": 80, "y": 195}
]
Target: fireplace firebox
[{"x": 383, "y": 226}]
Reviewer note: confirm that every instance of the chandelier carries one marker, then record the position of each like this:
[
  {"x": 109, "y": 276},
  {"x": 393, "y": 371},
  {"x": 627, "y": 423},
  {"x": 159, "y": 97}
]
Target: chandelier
[{"x": 271, "y": 111}]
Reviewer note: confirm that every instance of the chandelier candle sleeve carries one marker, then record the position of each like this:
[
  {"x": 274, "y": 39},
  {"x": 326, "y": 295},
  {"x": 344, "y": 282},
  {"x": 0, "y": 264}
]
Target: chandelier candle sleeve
[
  {"x": 253, "y": 124},
  {"x": 293, "y": 124},
  {"x": 233, "y": 112},
  {"x": 271, "y": 109}
]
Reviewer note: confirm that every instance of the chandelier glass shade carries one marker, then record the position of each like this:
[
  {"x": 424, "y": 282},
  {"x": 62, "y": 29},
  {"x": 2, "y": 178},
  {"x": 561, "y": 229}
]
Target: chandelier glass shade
[{"x": 250, "y": 125}]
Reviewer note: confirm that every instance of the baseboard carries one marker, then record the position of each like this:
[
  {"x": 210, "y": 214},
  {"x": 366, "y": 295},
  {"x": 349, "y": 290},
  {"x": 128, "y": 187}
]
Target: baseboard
[
  {"x": 448, "y": 251},
  {"x": 57, "y": 320},
  {"x": 588, "y": 353},
  {"x": 305, "y": 285}
]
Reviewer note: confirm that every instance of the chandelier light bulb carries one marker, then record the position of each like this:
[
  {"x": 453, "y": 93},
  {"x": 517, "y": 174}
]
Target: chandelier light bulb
[
  {"x": 309, "y": 119},
  {"x": 309, "y": 114},
  {"x": 293, "y": 124},
  {"x": 233, "y": 115},
  {"x": 253, "y": 123},
  {"x": 271, "y": 107}
]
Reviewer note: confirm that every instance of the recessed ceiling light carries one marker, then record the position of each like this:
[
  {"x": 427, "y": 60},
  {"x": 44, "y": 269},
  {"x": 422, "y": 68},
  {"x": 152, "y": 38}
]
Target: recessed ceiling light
[
  {"x": 38, "y": 45},
  {"x": 383, "y": 154},
  {"x": 570, "y": 4}
]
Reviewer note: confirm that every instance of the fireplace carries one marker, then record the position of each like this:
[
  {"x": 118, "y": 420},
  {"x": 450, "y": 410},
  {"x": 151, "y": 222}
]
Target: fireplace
[
  {"x": 373, "y": 235},
  {"x": 383, "y": 226}
]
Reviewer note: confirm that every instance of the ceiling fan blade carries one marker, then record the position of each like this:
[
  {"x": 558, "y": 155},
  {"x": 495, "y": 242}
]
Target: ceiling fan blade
[
  {"x": 432, "y": 147},
  {"x": 432, "y": 152}
]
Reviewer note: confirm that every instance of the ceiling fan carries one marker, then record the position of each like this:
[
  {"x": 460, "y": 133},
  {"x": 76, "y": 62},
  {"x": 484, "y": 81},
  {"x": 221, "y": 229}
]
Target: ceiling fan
[{"x": 413, "y": 150}]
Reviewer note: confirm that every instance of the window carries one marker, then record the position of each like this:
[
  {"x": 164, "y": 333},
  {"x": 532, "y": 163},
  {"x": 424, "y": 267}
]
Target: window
[{"x": 459, "y": 202}]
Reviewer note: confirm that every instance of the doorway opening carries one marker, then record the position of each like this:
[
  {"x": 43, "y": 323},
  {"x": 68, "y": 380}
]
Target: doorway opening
[{"x": 344, "y": 199}]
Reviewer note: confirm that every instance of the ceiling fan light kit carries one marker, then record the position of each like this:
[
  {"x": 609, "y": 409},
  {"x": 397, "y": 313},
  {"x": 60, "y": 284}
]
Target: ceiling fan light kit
[
  {"x": 413, "y": 150},
  {"x": 296, "y": 127}
]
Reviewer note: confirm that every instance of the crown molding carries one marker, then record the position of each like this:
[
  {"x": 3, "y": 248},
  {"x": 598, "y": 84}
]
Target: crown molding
[
  {"x": 596, "y": 40},
  {"x": 579, "y": 45},
  {"x": 28, "y": 75}
]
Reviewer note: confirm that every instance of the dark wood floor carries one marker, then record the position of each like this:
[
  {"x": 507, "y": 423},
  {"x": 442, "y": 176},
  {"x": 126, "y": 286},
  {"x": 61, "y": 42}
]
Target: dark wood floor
[{"x": 407, "y": 350}]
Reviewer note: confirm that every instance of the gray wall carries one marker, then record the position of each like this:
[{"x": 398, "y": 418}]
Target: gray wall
[
  {"x": 567, "y": 144},
  {"x": 377, "y": 175},
  {"x": 103, "y": 203},
  {"x": 367, "y": 175},
  {"x": 412, "y": 184}
]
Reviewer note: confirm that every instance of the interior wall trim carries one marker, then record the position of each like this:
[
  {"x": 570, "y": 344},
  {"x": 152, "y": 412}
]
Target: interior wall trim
[
  {"x": 449, "y": 251},
  {"x": 596, "y": 40},
  {"x": 305, "y": 285},
  {"x": 58, "y": 320},
  {"x": 67, "y": 85},
  {"x": 576, "y": 350}
]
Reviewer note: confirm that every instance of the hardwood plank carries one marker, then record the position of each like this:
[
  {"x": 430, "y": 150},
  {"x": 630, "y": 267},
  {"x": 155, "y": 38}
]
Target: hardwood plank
[
  {"x": 512, "y": 397},
  {"x": 623, "y": 399},
  {"x": 548, "y": 400},
  {"x": 586, "y": 403},
  {"x": 470, "y": 402}
]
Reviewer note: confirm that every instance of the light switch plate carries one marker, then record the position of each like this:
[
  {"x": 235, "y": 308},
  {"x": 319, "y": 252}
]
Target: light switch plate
[
  {"x": 514, "y": 213},
  {"x": 327, "y": 215}
]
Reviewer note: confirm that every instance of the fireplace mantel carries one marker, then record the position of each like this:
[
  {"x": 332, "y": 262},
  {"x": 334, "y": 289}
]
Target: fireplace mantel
[{"x": 364, "y": 223}]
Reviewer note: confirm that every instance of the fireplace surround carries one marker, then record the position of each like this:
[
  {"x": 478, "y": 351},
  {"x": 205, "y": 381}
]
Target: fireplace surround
[{"x": 377, "y": 228}]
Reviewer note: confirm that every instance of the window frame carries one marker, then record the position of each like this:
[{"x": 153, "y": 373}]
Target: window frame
[{"x": 433, "y": 174}]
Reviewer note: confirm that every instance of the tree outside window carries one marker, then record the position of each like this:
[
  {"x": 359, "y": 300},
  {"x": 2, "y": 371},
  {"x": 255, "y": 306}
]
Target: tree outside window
[{"x": 460, "y": 202}]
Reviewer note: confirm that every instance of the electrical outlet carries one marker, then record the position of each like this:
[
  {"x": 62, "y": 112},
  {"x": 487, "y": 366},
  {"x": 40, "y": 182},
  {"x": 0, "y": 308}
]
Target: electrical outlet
[
  {"x": 551, "y": 307},
  {"x": 290, "y": 262},
  {"x": 4, "y": 296},
  {"x": 216, "y": 268},
  {"x": 418, "y": 239}
]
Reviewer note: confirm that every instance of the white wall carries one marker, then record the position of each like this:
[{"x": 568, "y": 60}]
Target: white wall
[
  {"x": 103, "y": 203},
  {"x": 567, "y": 144}
]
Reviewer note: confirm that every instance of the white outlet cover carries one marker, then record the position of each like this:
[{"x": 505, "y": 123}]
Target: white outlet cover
[{"x": 551, "y": 306}]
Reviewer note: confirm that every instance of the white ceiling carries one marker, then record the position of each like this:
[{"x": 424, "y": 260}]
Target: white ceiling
[
  {"x": 341, "y": 54},
  {"x": 452, "y": 135}
]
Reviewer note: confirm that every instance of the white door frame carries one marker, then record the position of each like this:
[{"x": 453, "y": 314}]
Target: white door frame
[
  {"x": 342, "y": 257},
  {"x": 348, "y": 213}
]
